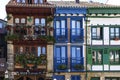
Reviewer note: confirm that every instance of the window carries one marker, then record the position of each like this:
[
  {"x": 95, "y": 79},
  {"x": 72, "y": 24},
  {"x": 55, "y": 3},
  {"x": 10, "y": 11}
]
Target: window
[
  {"x": 1, "y": 25},
  {"x": 114, "y": 33},
  {"x": 38, "y": 1},
  {"x": 76, "y": 54},
  {"x": 115, "y": 56},
  {"x": 97, "y": 56},
  {"x": 76, "y": 31},
  {"x": 112, "y": 78},
  {"x": 97, "y": 33},
  {"x": 37, "y": 21},
  {"x": 76, "y": 27},
  {"x": 75, "y": 77},
  {"x": 17, "y": 20},
  {"x": 60, "y": 55},
  {"x": 21, "y": 1},
  {"x": 22, "y": 20},
  {"x": 41, "y": 50},
  {"x": 40, "y": 22}
]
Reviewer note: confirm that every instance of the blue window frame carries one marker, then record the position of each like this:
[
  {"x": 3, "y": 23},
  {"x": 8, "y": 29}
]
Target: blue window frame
[
  {"x": 114, "y": 33},
  {"x": 76, "y": 58},
  {"x": 60, "y": 31},
  {"x": 76, "y": 31},
  {"x": 58, "y": 77},
  {"x": 75, "y": 77},
  {"x": 60, "y": 58}
]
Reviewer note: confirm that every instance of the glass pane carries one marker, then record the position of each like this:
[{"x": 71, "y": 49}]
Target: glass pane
[
  {"x": 43, "y": 50},
  {"x": 73, "y": 32},
  {"x": 41, "y": 1},
  {"x": 63, "y": 31},
  {"x": 73, "y": 23},
  {"x": 94, "y": 30},
  {"x": 35, "y": 1},
  {"x": 78, "y": 52},
  {"x": 111, "y": 56},
  {"x": 78, "y": 24},
  {"x": 18, "y": 0},
  {"x": 16, "y": 20},
  {"x": 23, "y": 1},
  {"x": 117, "y": 56},
  {"x": 57, "y": 52},
  {"x": 23, "y": 20},
  {"x": 57, "y": 24},
  {"x": 63, "y": 52},
  {"x": 39, "y": 51},
  {"x": 0, "y": 25},
  {"x": 117, "y": 30},
  {"x": 78, "y": 32},
  {"x": 73, "y": 52},
  {"x": 43, "y": 22},
  {"x": 99, "y": 56},
  {"x": 37, "y": 22},
  {"x": 57, "y": 31},
  {"x": 112, "y": 30},
  {"x": 63, "y": 24}
]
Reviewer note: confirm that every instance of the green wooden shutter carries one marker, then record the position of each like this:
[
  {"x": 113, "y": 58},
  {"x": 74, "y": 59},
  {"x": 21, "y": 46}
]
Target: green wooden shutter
[
  {"x": 106, "y": 56},
  {"x": 89, "y": 56}
]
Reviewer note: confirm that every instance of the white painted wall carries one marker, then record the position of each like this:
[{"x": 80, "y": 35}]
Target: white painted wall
[
  {"x": 106, "y": 21},
  {"x": 106, "y": 37},
  {"x": 97, "y": 68},
  {"x": 115, "y": 67}
]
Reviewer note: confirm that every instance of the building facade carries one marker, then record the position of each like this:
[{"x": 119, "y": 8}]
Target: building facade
[
  {"x": 30, "y": 39},
  {"x": 103, "y": 56},
  {"x": 69, "y": 48},
  {"x": 3, "y": 48}
]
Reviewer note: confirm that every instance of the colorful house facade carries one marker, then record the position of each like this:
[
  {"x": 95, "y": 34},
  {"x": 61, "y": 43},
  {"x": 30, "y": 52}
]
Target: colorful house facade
[
  {"x": 103, "y": 56},
  {"x": 3, "y": 48}
]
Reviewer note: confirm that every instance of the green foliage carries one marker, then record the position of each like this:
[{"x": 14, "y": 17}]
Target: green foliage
[
  {"x": 62, "y": 67},
  {"x": 12, "y": 37},
  {"x": 79, "y": 67}
]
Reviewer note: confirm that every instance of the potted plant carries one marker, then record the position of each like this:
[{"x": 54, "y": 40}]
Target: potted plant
[
  {"x": 78, "y": 67},
  {"x": 117, "y": 38},
  {"x": 62, "y": 67}
]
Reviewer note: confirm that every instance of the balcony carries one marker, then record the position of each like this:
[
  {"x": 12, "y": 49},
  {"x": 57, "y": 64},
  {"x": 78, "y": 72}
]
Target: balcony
[
  {"x": 60, "y": 64},
  {"x": 30, "y": 61},
  {"x": 77, "y": 35},
  {"x": 61, "y": 35},
  {"x": 77, "y": 64}
]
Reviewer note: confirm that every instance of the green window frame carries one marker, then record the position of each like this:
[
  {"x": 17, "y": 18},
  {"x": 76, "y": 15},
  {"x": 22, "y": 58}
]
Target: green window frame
[
  {"x": 97, "y": 56},
  {"x": 97, "y": 33},
  {"x": 114, "y": 56},
  {"x": 114, "y": 33}
]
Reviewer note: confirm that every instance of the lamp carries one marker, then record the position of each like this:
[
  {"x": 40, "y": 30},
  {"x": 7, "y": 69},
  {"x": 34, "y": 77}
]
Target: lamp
[{"x": 55, "y": 79}]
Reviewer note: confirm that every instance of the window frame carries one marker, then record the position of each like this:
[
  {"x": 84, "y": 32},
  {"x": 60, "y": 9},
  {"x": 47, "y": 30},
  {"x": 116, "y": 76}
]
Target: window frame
[
  {"x": 95, "y": 56},
  {"x": 97, "y": 36},
  {"x": 114, "y": 33}
]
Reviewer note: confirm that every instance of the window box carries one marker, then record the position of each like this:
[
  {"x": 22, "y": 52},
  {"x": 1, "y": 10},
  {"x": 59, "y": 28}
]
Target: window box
[
  {"x": 116, "y": 38},
  {"x": 78, "y": 67},
  {"x": 62, "y": 67}
]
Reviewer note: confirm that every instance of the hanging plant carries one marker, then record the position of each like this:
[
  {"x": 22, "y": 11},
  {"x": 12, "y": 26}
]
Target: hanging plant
[
  {"x": 8, "y": 17},
  {"x": 29, "y": 19}
]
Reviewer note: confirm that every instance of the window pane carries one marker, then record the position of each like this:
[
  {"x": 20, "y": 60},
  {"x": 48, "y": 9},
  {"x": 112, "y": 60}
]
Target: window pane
[
  {"x": 23, "y": 1},
  {"x": 78, "y": 52},
  {"x": 112, "y": 30},
  {"x": 57, "y": 52},
  {"x": 43, "y": 21},
  {"x": 63, "y": 52},
  {"x": 18, "y": 0},
  {"x": 94, "y": 30},
  {"x": 73, "y": 52},
  {"x": 78, "y": 24},
  {"x": 37, "y": 22},
  {"x": 35, "y": 1},
  {"x": 39, "y": 51},
  {"x": 41, "y": 1},
  {"x": 23, "y": 20},
  {"x": 63, "y": 24},
  {"x": 57, "y": 24},
  {"x": 43, "y": 50},
  {"x": 0, "y": 25},
  {"x": 73, "y": 23},
  {"x": 17, "y": 20}
]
